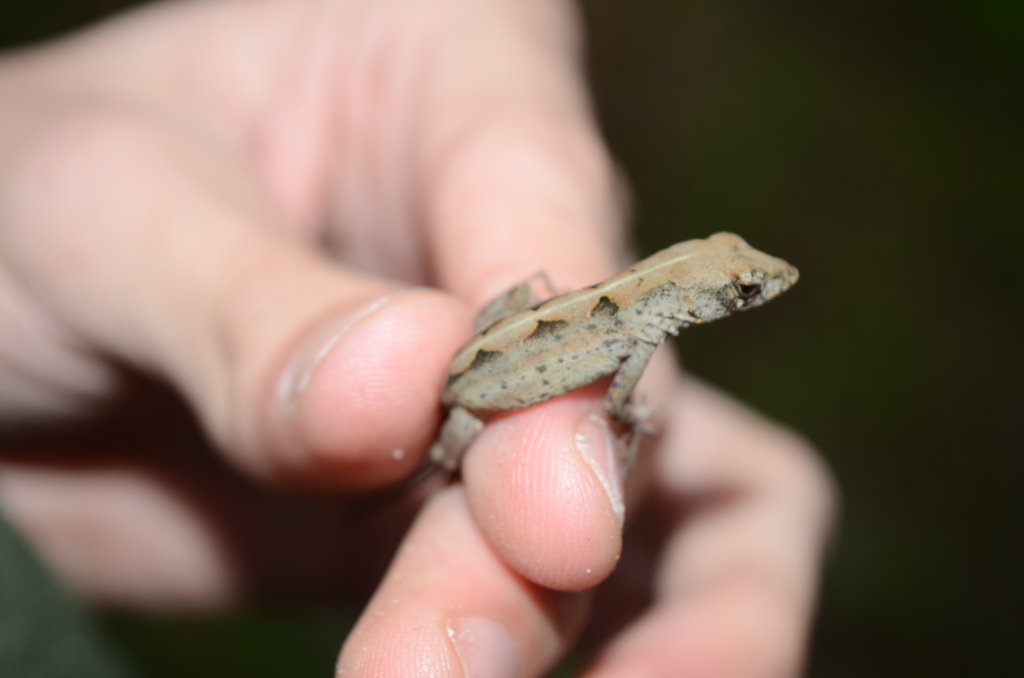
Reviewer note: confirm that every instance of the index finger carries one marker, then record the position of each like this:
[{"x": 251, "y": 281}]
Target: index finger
[
  {"x": 517, "y": 180},
  {"x": 472, "y": 120}
]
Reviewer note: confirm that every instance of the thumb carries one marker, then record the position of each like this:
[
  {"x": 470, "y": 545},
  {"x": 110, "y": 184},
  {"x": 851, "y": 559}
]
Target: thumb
[{"x": 151, "y": 248}]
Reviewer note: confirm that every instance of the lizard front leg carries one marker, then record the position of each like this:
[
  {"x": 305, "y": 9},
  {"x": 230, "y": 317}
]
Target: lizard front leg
[{"x": 617, "y": 404}]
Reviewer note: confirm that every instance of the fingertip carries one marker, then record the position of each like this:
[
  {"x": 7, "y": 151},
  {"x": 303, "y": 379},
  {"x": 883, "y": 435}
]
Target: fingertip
[
  {"x": 358, "y": 404},
  {"x": 449, "y": 603},
  {"x": 540, "y": 497}
]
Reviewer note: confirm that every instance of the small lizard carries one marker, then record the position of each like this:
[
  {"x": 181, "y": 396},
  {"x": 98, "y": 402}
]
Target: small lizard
[{"x": 526, "y": 355}]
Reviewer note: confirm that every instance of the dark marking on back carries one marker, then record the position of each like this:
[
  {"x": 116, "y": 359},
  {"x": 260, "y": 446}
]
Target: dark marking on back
[
  {"x": 542, "y": 368},
  {"x": 604, "y": 306},
  {"x": 546, "y": 328},
  {"x": 481, "y": 358}
]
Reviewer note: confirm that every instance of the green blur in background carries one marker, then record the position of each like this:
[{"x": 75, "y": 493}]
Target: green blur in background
[{"x": 879, "y": 146}]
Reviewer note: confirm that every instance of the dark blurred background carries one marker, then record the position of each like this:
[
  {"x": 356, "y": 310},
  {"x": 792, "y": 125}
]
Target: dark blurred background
[{"x": 879, "y": 146}]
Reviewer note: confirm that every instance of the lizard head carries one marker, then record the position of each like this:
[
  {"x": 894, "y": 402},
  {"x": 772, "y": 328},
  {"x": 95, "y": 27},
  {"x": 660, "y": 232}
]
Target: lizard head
[{"x": 736, "y": 277}]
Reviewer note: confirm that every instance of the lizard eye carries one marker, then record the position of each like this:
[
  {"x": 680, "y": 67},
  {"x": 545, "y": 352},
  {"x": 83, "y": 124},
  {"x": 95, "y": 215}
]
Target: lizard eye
[{"x": 747, "y": 292}]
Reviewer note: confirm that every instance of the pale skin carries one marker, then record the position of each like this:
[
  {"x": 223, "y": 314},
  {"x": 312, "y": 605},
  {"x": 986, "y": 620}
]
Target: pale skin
[{"x": 290, "y": 211}]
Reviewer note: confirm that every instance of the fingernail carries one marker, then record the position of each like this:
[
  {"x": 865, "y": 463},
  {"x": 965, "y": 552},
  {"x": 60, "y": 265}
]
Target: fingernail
[
  {"x": 300, "y": 371},
  {"x": 597, "y": 445},
  {"x": 485, "y": 648},
  {"x": 296, "y": 377}
]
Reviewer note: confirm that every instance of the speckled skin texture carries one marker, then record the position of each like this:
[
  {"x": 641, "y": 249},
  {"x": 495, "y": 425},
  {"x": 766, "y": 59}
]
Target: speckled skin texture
[{"x": 535, "y": 354}]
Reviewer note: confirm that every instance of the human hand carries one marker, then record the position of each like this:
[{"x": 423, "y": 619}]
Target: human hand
[
  {"x": 237, "y": 198},
  {"x": 717, "y": 574}
]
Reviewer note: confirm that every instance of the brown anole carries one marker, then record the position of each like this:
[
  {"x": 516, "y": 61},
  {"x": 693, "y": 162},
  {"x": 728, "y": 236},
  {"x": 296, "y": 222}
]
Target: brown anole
[{"x": 526, "y": 355}]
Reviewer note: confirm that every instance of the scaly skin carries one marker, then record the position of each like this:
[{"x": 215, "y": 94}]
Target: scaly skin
[{"x": 571, "y": 340}]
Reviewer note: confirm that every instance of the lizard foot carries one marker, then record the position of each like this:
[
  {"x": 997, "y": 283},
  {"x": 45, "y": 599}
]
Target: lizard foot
[
  {"x": 458, "y": 431},
  {"x": 638, "y": 424}
]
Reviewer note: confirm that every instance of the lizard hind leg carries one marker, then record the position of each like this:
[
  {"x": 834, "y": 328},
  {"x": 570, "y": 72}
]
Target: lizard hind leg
[
  {"x": 457, "y": 432},
  {"x": 519, "y": 298}
]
